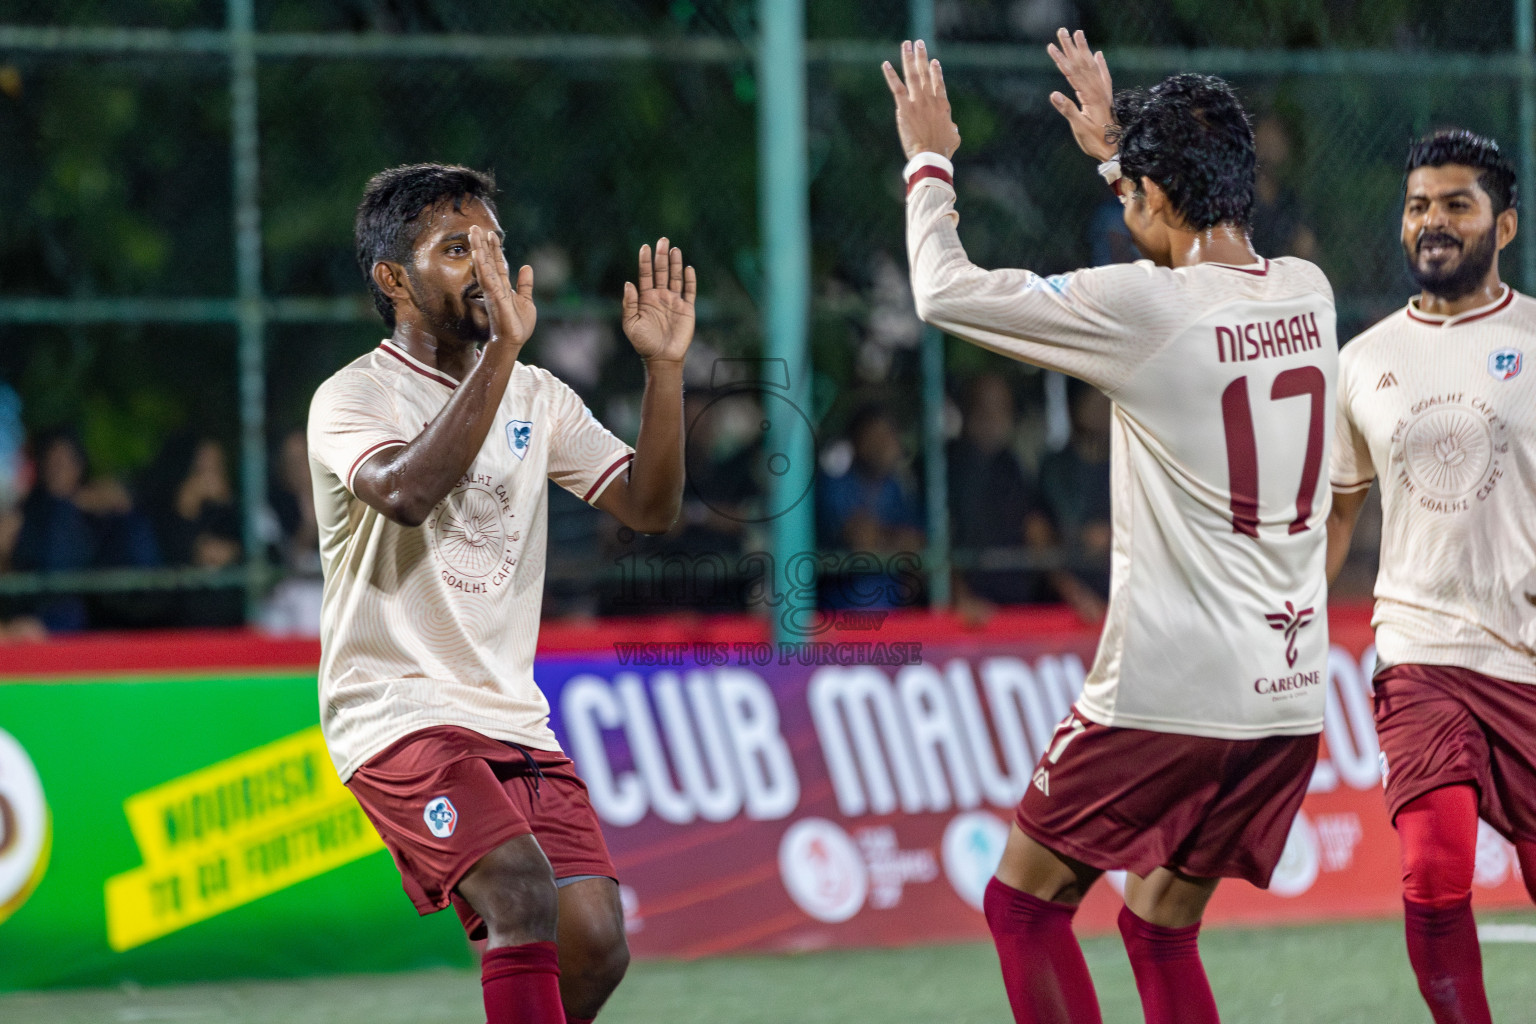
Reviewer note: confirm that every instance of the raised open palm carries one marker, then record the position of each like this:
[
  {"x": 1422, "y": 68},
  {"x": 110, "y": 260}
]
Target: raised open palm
[{"x": 658, "y": 315}]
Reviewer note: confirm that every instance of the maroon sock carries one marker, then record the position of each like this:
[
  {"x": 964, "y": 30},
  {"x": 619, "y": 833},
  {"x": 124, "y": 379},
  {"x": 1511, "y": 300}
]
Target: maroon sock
[
  {"x": 522, "y": 984},
  {"x": 1442, "y": 947},
  {"x": 1169, "y": 976},
  {"x": 1043, "y": 966}
]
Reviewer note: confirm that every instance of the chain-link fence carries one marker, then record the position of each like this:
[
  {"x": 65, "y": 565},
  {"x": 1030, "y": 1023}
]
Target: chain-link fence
[{"x": 176, "y": 268}]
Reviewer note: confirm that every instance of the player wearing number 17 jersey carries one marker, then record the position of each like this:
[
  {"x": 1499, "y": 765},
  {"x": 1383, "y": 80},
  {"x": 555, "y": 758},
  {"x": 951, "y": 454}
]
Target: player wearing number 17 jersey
[{"x": 1189, "y": 752}]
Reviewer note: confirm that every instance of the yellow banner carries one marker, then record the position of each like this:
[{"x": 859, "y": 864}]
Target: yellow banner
[{"x": 230, "y": 833}]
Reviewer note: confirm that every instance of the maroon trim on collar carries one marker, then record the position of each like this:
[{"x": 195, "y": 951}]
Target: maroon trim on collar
[
  {"x": 1246, "y": 270},
  {"x": 1445, "y": 321},
  {"x": 622, "y": 460},
  {"x": 929, "y": 171},
  {"x": 440, "y": 378}
]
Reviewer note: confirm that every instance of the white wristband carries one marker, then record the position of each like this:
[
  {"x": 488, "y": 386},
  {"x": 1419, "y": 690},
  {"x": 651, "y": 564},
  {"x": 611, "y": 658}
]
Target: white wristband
[
  {"x": 1109, "y": 170},
  {"x": 927, "y": 160}
]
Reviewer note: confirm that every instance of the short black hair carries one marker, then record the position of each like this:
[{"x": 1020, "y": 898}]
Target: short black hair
[
  {"x": 392, "y": 201},
  {"x": 1190, "y": 134},
  {"x": 1496, "y": 175}
]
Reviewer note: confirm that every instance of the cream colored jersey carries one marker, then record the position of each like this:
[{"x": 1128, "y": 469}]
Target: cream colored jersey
[
  {"x": 1222, "y": 380},
  {"x": 437, "y": 624},
  {"x": 1441, "y": 411}
]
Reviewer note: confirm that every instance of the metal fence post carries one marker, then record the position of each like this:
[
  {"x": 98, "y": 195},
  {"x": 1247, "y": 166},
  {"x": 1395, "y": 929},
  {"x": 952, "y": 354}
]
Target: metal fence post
[
  {"x": 784, "y": 215},
  {"x": 936, "y": 477},
  {"x": 246, "y": 170}
]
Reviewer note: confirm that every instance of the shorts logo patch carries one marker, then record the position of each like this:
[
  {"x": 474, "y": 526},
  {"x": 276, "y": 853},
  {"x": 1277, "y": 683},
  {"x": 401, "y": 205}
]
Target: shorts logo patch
[
  {"x": 441, "y": 817},
  {"x": 1042, "y": 780},
  {"x": 1504, "y": 364}
]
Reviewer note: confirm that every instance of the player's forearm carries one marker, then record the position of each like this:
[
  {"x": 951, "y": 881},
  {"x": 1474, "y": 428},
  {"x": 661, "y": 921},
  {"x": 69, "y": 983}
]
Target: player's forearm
[
  {"x": 655, "y": 487},
  {"x": 1341, "y": 528},
  {"x": 407, "y": 483}
]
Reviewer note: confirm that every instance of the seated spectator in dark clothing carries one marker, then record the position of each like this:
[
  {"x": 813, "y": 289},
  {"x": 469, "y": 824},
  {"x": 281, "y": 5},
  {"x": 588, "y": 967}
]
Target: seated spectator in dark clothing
[
  {"x": 67, "y": 523},
  {"x": 991, "y": 505},
  {"x": 292, "y": 497},
  {"x": 871, "y": 514},
  {"x": 1074, "y": 483},
  {"x": 204, "y": 531}
]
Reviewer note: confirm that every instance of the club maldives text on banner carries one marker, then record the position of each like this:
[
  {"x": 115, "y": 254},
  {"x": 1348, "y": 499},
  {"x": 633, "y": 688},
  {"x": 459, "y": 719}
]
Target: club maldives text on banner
[{"x": 856, "y": 791}]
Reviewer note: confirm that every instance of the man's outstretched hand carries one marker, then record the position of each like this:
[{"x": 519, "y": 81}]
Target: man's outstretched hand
[
  {"x": 922, "y": 105},
  {"x": 1093, "y": 113},
  {"x": 658, "y": 315},
  {"x": 511, "y": 310}
]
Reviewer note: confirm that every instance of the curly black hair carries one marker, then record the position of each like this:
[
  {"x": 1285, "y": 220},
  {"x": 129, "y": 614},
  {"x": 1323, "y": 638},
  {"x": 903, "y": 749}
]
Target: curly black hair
[
  {"x": 392, "y": 201},
  {"x": 1458, "y": 146},
  {"x": 1190, "y": 134}
]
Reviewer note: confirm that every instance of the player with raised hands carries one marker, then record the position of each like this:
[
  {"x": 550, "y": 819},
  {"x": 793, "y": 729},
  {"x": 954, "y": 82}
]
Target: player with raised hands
[
  {"x": 1188, "y": 754},
  {"x": 430, "y": 457}
]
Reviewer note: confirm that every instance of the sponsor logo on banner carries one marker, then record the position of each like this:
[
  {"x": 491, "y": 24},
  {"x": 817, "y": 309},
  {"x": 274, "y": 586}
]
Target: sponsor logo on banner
[
  {"x": 26, "y": 830},
  {"x": 1300, "y": 861},
  {"x": 233, "y": 832},
  {"x": 1496, "y": 860},
  {"x": 972, "y": 848},
  {"x": 441, "y": 816},
  {"x": 822, "y": 870}
]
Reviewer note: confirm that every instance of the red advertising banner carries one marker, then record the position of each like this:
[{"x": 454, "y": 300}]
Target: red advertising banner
[{"x": 858, "y": 791}]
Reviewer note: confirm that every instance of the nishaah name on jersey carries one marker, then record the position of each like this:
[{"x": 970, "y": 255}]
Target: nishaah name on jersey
[
  {"x": 1449, "y": 451},
  {"x": 1265, "y": 339},
  {"x": 1504, "y": 364},
  {"x": 471, "y": 533}
]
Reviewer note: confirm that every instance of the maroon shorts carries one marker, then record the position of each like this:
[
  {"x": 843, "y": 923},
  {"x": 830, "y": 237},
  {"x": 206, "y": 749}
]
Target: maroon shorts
[
  {"x": 1440, "y": 725},
  {"x": 442, "y": 798},
  {"x": 1138, "y": 800}
]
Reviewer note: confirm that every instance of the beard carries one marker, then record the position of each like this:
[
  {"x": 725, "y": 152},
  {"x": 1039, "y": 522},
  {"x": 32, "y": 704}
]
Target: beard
[
  {"x": 1461, "y": 278},
  {"x": 446, "y": 322}
]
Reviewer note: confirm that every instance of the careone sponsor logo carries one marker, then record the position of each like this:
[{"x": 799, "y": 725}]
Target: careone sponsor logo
[
  {"x": 1281, "y": 687},
  {"x": 26, "y": 830}
]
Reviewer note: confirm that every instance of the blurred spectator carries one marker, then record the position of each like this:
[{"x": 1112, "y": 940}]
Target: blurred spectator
[
  {"x": 991, "y": 503},
  {"x": 292, "y": 497},
  {"x": 1075, "y": 485},
  {"x": 870, "y": 512},
  {"x": 1277, "y": 225},
  {"x": 68, "y": 523},
  {"x": 204, "y": 531}
]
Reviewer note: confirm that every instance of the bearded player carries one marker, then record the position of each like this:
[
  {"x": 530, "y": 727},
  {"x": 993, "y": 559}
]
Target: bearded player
[
  {"x": 1188, "y": 754},
  {"x": 430, "y": 456},
  {"x": 1437, "y": 404}
]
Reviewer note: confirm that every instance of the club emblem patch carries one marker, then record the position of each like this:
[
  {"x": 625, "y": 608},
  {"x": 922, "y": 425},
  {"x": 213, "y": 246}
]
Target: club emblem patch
[
  {"x": 1504, "y": 364},
  {"x": 441, "y": 817},
  {"x": 519, "y": 434}
]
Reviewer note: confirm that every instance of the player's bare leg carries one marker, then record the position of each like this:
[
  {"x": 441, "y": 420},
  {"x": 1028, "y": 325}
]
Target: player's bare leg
[
  {"x": 513, "y": 889},
  {"x": 593, "y": 951},
  {"x": 1160, "y": 924},
  {"x": 1029, "y": 907}
]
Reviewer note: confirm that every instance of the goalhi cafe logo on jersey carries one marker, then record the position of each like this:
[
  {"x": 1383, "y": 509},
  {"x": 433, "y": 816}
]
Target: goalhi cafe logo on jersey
[{"x": 26, "y": 828}]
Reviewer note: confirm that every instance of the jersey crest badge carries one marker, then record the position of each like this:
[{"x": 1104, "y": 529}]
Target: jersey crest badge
[
  {"x": 441, "y": 817},
  {"x": 1504, "y": 364},
  {"x": 1290, "y": 623},
  {"x": 519, "y": 434}
]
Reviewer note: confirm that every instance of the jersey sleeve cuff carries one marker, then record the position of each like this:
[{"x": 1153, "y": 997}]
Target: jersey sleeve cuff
[
  {"x": 369, "y": 453},
  {"x": 1353, "y": 488},
  {"x": 928, "y": 165},
  {"x": 607, "y": 477}
]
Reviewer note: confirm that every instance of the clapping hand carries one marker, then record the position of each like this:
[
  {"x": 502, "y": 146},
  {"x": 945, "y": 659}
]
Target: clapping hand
[
  {"x": 922, "y": 105},
  {"x": 1093, "y": 114},
  {"x": 511, "y": 312},
  {"x": 658, "y": 315}
]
